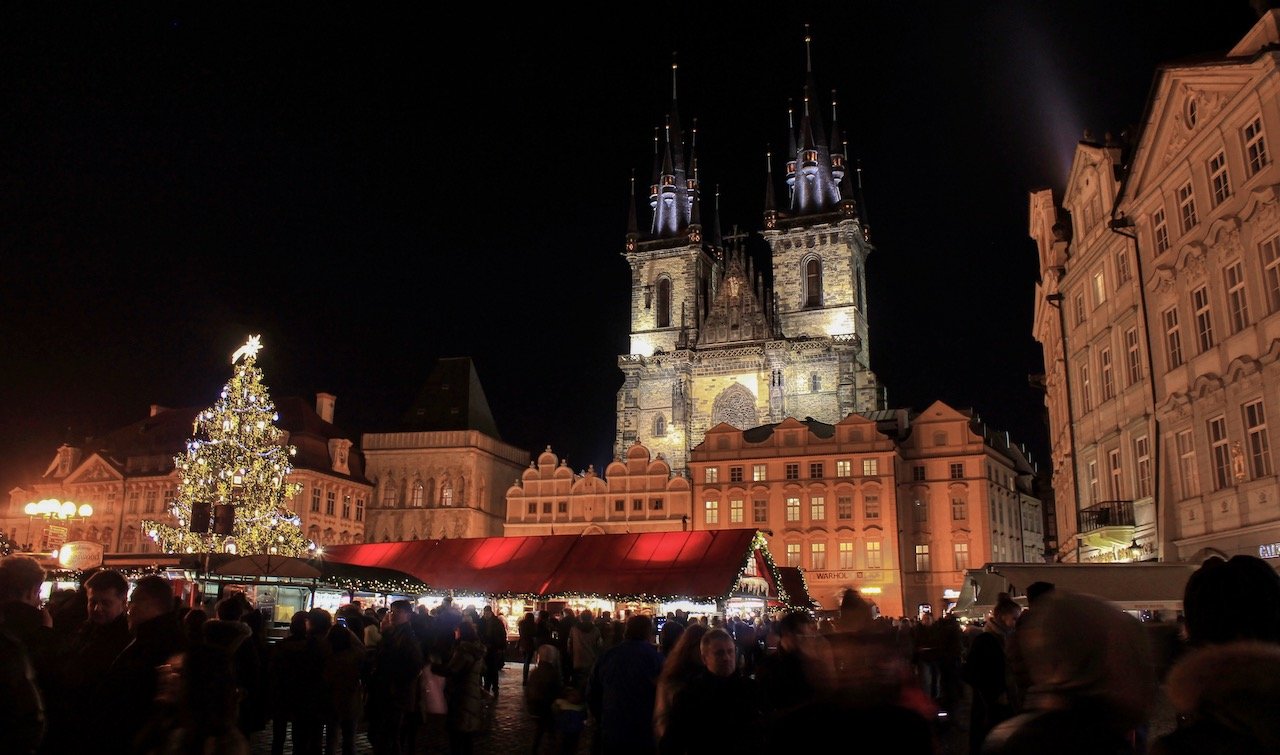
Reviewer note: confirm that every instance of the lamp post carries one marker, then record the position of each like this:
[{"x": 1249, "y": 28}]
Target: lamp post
[{"x": 51, "y": 509}]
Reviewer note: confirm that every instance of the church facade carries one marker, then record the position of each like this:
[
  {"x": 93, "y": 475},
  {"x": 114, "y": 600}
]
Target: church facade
[{"x": 715, "y": 339}]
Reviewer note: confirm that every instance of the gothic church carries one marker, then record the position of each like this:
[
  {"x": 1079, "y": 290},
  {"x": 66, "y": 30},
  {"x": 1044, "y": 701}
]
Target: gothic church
[{"x": 714, "y": 340}]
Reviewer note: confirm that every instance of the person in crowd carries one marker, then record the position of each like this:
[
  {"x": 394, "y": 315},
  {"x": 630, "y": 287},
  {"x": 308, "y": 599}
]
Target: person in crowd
[
  {"x": 949, "y": 654},
  {"x": 570, "y": 714},
  {"x": 129, "y": 686},
  {"x": 229, "y": 632},
  {"x": 1233, "y": 599},
  {"x": 985, "y": 671},
  {"x": 464, "y": 673},
  {"x": 527, "y": 628},
  {"x": 563, "y": 630},
  {"x": 718, "y": 693},
  {"x": 22, "y": 718},
  {"x": 23, "y": 617},
  {"x": 342, "y": 673},
  {"x": 678, "y": 669},
  {"x": 748, "y": 646},
  {"x": 585, "y": 644},
  {"x": 26, "y": 631},
  {"x": 1091, "y": 680},
  {"x": 800, "y": 669},
  {"x": 542, "y": 688},
  {"x": 544, "y": 629},
  {"x": 285, "y": 670},
  {"x": 397, "y": 662},
  {"x": 622, "y": 689},
  {"x": 493, "y": 633},
  {"x": 194, "y": 710},
  {"x": 670, "y": 633},
  {"x": 1018, "y": 677},
  {"x": 193, "y": 624}
]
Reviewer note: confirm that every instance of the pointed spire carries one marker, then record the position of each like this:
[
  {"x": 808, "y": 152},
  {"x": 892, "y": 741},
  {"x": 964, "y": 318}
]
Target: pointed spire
[
  {"x": 770, "y": 208},
  {"x": 633, "y": 230},
  {"x": 717, "y": 239}
]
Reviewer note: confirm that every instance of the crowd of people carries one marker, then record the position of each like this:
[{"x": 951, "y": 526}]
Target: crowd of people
[{"x": 117, "y": 670}]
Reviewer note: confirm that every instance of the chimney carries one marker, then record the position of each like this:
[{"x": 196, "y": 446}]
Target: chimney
[
  {"x": 156, "y": 409},
  {"x": 324, "y": 406}
]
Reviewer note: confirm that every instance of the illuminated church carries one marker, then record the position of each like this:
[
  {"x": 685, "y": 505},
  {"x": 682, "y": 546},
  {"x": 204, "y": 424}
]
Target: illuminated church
[{"x": 714, "y": 339}]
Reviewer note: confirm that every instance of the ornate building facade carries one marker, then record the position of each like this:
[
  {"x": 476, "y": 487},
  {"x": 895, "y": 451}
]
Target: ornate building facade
[
  {"x": 128, "y": 475},
  {"x": 715, "y": 340}
]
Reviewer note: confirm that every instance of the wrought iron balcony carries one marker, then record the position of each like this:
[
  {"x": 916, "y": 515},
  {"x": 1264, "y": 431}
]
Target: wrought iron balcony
[{"x": 1109, "y": 522}]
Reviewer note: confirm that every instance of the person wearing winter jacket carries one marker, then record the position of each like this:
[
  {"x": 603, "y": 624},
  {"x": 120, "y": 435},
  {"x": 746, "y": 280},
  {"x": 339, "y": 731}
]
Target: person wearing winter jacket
[{"x": 463, "y": 672}]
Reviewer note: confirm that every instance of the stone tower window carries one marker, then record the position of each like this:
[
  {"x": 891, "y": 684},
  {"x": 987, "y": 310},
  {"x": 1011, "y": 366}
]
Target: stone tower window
[
  {"x": 659, "y": 426},
  {"x": 663, "y": 315},
  {"x": 813, "y": 282}
]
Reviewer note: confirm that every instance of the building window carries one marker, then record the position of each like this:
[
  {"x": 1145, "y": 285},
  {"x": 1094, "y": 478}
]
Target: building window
[
  {"x": 759, "y": 511},
  {"x": 1187, "y": 465},
  {"x": 1079, "y": 309},
  {"x": 1099, "y": 287},
  {"x": 1255, "y": 146},
  {"x": 1086, "y": 388},
  {"x": 1094, "y": 496},
  {"x": 562, "y": 507},
  {"x": 1108, "y": 373},
  {"x": 315, "y": 498},
  {"x": 816, "y": 470},
  {"x": 815, "y": 382},
  {"x": 959, "y": 509},
  {"x": 871, "y": 506},
  {"x": 1204, "y": 318},
  {"x": 844, "y": 468},
  {"x": 919, "y": 511},
  {"x": 711, "y": 474},
  {"x": 813, "y": 282},
  {"x": 637, "y": 504},
  {"x": 1237, "y": 301},
  {"x": 712, "y": 509},
  {"x": 793, "y": 554},
  {"x": 1117, "y": 473},
  {"x": 874, "y": 560},
  {"x": 533, "y": 508},
  {"x": 656, "y": 504},
  {"x": 817, "y": 508},
  {"x": 844, "y": 507},
  {"x": 1142, "y": 455},
  {"x": 1271, "y": 270},
  {"x": 870, "y": 467},
  {"x": 1255, "y": 426},
  {"x": 1133, "y": 356},
  {"x": 845, "y": 555},
  {"x": 359, "y": 509},
  {"x": 793, "y": 509},
  {"x": 735, "y": 511},
  {"x": 1221, "y": 453},
  {"x": 1122, "y": 267},
  {"x": 758, "y": 473},
  {"x": 1172, "y": 337},
  {"x": 735, "y": 474},
  {"x": 419, "y": 497},
  {"x": 663, "y": 314},
  {"x": 793, "y": 471},
  {"x": 619, "y": 506},
  {"x": 922, "y": 558},
  {"x": 346, "y": 507},
  {"x": 546, "y": 507},
  {"x": 817, "y": 556},
  {"x": 151, "y": 498},
  {"x": 961, "y": 551},
  {"x": 1187, "y": 207},
  {"x": 957, "y": 471},
  {"x": 1161, "y": 231},
  {"x": 917, "y": 473},
  {"x": 1218, "y": 178},
  {"x": 659, "y": 426},
  {"x": 330, "y": 502}
]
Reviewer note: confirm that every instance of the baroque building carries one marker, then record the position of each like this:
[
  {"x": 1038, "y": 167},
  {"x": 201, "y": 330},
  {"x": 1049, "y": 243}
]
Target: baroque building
[
  {"x": 1199, "y": 203},
  {"x": 713, "y": 339},
  {"x": 128, "y": 475},
  {"x": 445, "y": 471}
]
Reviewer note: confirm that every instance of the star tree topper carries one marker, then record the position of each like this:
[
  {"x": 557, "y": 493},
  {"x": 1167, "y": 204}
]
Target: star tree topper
[{"x": 250, "y": 349}]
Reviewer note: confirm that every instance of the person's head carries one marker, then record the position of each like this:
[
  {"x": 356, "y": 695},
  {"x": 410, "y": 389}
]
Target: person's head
[
  {"x": 1037, "y": 590},
  {"x": 230, "y": 608},
  {"x": 639, "y": 627},
  {"x": 719, "y": 654},
  {"x": 1231, "y": 688},
  {"x": 488, "y": 612},
  {"x": 401, "y": 611},
  {"x": 447, "y": 602},
  {"x": 856, "y": 614},
  {"x": 298, "y": 624},
  {"x": 20, "y": 580},
  {"x": 466, "y": 632},
  {"x": 794, "y": 626},
  {"x": 152, "y": 597},
  {"x": 548, "y": 654},
  {"x": 686, "y": 655},
  {"x": 585, "y": 616},
  {"x": 1236, "y": 599},
  {"x": 1005, "y": 613},
  {"x": 106, "y": 592},
  {"x": 319, "y": 621},
  {"x": 193, "y": 622}
]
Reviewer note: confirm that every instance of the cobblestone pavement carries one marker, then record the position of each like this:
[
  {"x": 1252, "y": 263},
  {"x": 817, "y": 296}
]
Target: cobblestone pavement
[{"x": 510, "y": 730}]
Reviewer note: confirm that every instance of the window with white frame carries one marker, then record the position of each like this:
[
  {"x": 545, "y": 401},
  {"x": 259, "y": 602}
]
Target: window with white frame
[
  {"x": 346, "y": 507},
  {"x": 736, "y": 510},
  {"x": 1107, "y": 371},
  {"x": 1255, "y": 427},
  {"x": 389, "y": 497},
  {"x": 330, "y": 502},
  {"x": 711, "y": 474},
  {"x": 1093, "y": 482},
  {"x": 961, "y": 551},
  {"x": 360, "y": 509},
  {"x": 1160, "y": 228},
  {"x": 446, "y": 495},
  {"x": 758, "y": 473},
  {"x": 1221, "y": 452},
  {"x": 870, "y": 467},
  {"x": 1086, "y": 388},
  {"x": 1187, "y": 207},
  {"x": 1187, "y": 464},
  {"x": 874, "y": 555},
  {"x": 712, "y": 512},
  {"x": 844, "y": 551},
  {"x": 844, "y": 468},
  {"x": 1123, "y": 273},
  {"x": 1172, "y": 337},
  {"x": 1142, "y": 459},
  {"x": 151, "y": 498},
  {"x": 419, "y": 498},
  {"x": 793, "y": 509},
  {"x": 1237, "y": 299},
  {"x": 959, "y": 509},
  {"x": 1079, "y": 309},
  {"x": 1116, "y": 473},
  {"x": 817, "y": 556},
  {"x": 1204, "y": 318},
  {"x": 817, "y": 508},
  {"x": 793, "y": 554},
  {"x": 1133, "y": 356},
  {"x": 922, "y": 558},
  {"x": 1099, "y": 287},
  {"x": 759, "y": 511},
  {"x": 1255, "y": 146},
  {"x": 870, "y": 506},
  {"x": 844, "y": 507},
  {"x": 957, "y": 470},
  {"x": 1218, "y": 178},
  {"x": 315, "y": 498},
  {"x": 1270, "y": 252}
]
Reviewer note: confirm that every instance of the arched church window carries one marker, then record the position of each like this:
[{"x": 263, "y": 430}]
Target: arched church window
[
  {"x": 813, "y": 282},
  {"x": 389, "y": 499},
  {"x": 664, "y": 303},
  {"x": 446, "y": 495},
  {"x": 659, "y": 426},
  {"x": 419, "y": 495}
]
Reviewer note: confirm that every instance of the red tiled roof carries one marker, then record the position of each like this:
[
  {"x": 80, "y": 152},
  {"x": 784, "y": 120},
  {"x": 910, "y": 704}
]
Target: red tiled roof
[{"x": 702, "y": 566}]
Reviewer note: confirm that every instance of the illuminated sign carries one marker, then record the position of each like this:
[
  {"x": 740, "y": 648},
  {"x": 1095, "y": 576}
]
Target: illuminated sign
[
  {"x": 80, "y": 555},
  {"x": 1270, "y": 550},
  {"x": 950, "y": 594}
]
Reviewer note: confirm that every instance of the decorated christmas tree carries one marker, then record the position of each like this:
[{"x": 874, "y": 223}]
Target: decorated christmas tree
[{"x": 233, "y": 489}]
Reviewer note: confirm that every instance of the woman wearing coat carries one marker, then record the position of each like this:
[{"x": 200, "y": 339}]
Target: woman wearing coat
[{"x": 463, "y": 672}]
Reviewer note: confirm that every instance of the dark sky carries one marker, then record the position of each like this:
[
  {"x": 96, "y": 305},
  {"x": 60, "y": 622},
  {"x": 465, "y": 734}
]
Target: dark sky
[{"x": 371, "y": 188}]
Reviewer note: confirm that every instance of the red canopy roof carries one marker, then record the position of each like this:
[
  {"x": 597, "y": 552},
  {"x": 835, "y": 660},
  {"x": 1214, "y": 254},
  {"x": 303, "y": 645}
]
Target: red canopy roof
[{"x": 703, "y": 565}]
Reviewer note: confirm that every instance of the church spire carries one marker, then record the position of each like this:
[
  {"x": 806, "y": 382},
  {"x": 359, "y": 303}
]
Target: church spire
[
  {"x": 814, "y": 187},
  {"x": 671, "y": 196}
]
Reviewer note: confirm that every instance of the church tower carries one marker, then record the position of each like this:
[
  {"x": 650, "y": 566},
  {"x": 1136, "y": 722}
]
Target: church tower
[{"x": 712, "y": 340}]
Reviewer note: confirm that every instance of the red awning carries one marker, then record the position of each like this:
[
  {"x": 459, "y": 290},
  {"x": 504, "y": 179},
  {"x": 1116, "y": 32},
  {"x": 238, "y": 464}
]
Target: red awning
[{"x": 702, "y": 566}]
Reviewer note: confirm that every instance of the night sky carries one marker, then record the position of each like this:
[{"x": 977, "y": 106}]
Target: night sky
[{"x": 372, "y": 187}]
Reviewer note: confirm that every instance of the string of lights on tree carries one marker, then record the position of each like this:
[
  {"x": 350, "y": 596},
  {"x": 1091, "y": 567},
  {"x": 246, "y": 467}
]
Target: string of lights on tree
[{"x": 235, "y": 464}]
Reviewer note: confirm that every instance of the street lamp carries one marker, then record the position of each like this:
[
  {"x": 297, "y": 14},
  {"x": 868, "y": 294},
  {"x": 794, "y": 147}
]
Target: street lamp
[{"x": 51, "y": 509}]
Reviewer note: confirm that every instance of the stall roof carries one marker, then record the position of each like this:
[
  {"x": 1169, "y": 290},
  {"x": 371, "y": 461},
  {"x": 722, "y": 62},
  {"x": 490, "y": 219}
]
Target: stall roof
[
  {"x": 701, "y": 565},
  {"x": 793, "y": 583},
  {"x": 1130, "y": 587}
]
